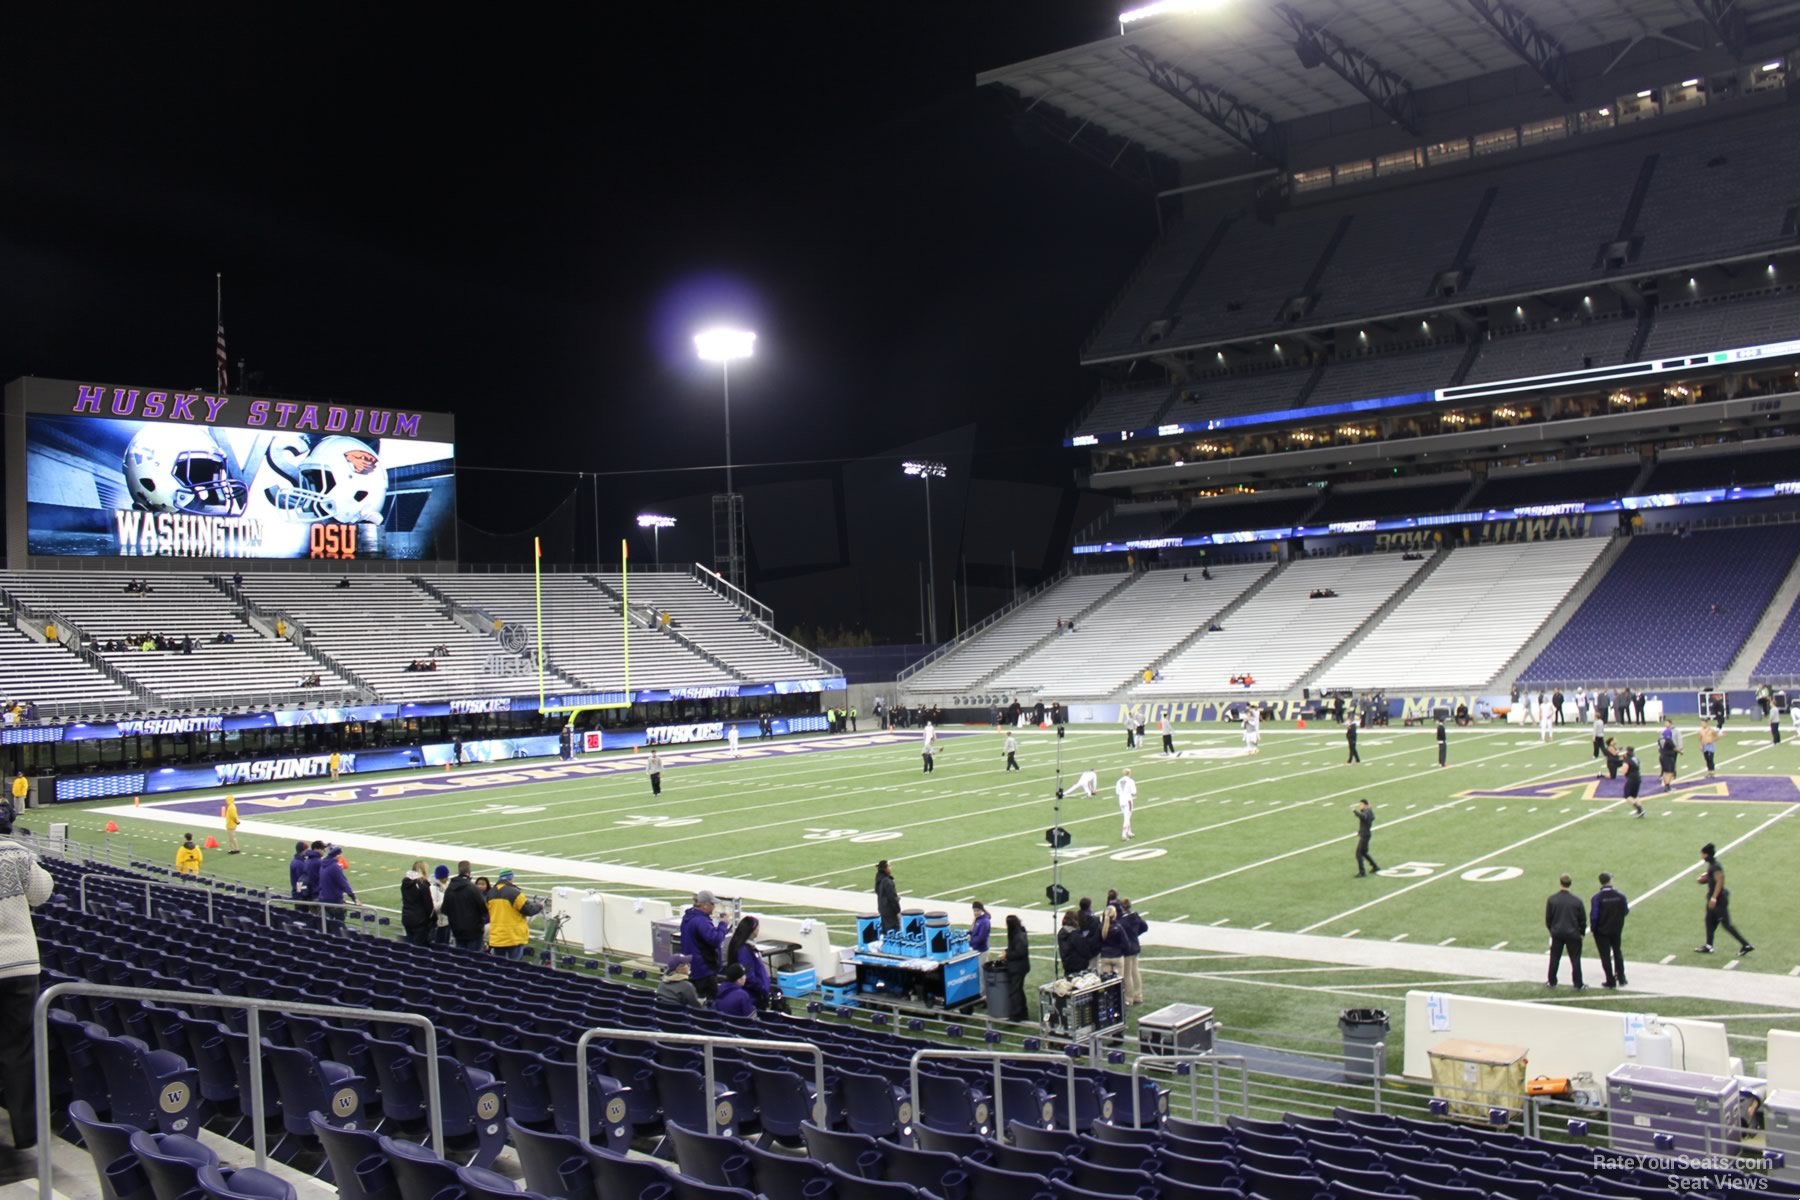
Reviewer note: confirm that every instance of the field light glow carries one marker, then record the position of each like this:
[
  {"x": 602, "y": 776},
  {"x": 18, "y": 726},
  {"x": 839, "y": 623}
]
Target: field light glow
[
  {"x": 1165, "y": 8},
  {"x": 653, "y": 521},
  {"x": 924, "y": 469},
  {"x": 723, "y": 344}
]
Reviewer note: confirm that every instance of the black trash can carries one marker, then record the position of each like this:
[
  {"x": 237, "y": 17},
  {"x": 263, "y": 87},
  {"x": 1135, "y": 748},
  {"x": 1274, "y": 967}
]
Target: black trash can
[
  {"x": 1365, "y": 1033},
  {"x": 993, "y": 987}
]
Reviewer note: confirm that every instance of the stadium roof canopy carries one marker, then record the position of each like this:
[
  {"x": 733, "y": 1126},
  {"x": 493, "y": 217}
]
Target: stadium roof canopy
[{"x": 1211, "y": 77}]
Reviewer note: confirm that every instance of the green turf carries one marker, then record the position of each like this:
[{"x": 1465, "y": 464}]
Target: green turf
[{"x": 1248, "y": 841}]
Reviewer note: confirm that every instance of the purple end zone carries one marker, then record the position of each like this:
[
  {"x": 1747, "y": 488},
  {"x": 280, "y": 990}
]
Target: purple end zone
[
  {"x": 428, "y": 781},
  {"x": 1767, "y": 789}
]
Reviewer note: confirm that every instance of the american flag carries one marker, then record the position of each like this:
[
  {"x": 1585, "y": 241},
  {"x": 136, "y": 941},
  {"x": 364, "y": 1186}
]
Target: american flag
[{"x": 221, "y": 359}]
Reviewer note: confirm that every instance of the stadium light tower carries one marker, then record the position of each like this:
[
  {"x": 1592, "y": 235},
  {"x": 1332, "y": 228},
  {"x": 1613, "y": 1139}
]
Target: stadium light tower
[
  {"x": 655, "y": 524},
  {"x": 724, "y": 345},
  {"x": 927, "y": 469}
]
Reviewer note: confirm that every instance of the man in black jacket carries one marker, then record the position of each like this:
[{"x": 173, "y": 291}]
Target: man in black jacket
[
  {"x": 1566, "y": 920},
  {"x": 1607, "y": 919},
  {"x": 887, "y": 896},
  {"x": 465, "y": 909}
]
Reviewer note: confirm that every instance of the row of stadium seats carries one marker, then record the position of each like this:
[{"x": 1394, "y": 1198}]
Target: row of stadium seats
[
  {"x": 1016, "y": 633},
  {"x": 1715, "y": 188},
  {"x": 1680, "y": 326},
  {"x": 375, "y": 629}
]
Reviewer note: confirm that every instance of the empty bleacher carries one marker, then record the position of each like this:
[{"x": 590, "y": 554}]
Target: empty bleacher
[
  {"x": 379, "y": 625},
  {"x": 584, "y": 636},
  {"x": 177, "y": 606},
  {"x": 51, "y": 674},
  {"x": 1466, "y": 620},
  {"x": 1364, "y": 377},
  {"x": 1125, "y": 410},
  {"x": 1724, "y": 324},
  {"x": 1598, "y": 478},
  {"x": 717, "y": 625},
  {"x": 1771, "y": 460},
  {"x": 1563, "y": 346},
  {"x": 1373, "y": 500},
  {"x": 1780, "y": 663},
  {"x": 1135, "y": 627},
  {"x": 1651, "y": 620},
  {"x": 1281, "y": 634},
  {"x": 1222, "y": 515},
  {"x": 1014, "y": 633}
]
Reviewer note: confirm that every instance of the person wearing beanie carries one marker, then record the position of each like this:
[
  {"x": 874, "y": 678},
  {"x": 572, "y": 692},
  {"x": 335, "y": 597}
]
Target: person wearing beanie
[
  {"x": 734, "y": 999},
  {"x": 440, "y": 930},
  {"x": 703, "y": 942},
  {"x": 676, "y": 987},
  {"x": 418, "y": 916},
  {"x": 465, "y": 910},
  {"x": 334, "y": 888},
  {"x": 296, "y": 870},
  {"x": 1718, "y": 903},
  {"x": 188, "y": 857},
  {"x": 507, "y": 909},
  {"x": 309, "y": 871}
]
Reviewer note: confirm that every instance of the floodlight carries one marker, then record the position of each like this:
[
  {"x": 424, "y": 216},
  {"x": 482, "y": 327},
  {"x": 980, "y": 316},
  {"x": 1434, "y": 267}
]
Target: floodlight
[
  {"x": 723, "y": 344},
  {"x": 653, "y": 521},
  {"x": 1644, "y": 95},
  {"x": 1690, "y": 83},
  {"x": 1772, "y": 66},
  {"x": 923, "y": 468},
  {"x": 1164, "y": 8}
]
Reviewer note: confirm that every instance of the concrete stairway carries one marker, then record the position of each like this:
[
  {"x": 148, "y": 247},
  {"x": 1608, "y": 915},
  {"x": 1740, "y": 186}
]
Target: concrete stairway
[{"x": 1737, "y": 675}]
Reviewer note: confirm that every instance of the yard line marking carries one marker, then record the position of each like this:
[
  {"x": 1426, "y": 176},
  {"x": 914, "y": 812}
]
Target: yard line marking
[
  {"x": 1447, "y": 941},
  {"x": 1265, "y": 925},
  {"x": 1731, "y": 964},
  {"x": 1031, "y": 904},
  {"x": 1667, "y": 959},
  {"x": 1182, "y": 917},
  {"x": 1688, "y": 872},
  {"x": 963, "y": 899},
  {"x": 1453, "y": 872},
  {"x": 1221, "y": 921},
  {"x": 1399, "y": 937},
  {"x": 1532, "y": 809},
  {"x": 1351, "y": 934},
  {"x": 1499, "y": 946},
  {"x": 1002, "y": 900},
  {"x": 1795, "y": 971}
]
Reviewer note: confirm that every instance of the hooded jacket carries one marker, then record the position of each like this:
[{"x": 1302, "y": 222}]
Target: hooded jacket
[
  {"x": 703, "y": 940},
  {"x": 887, "y": 900},
  {"x": 334, "y": 885},
  {"x": 465, "y": 909},
  {"x": 296, "y": 873},
  {"x": 506, "y": 916},
  {"x": 734, "y": 999},
  {"x": 188, "y": 859},
  {"x": 416, "y": 909},
  {"x": 309, "y": 875}
]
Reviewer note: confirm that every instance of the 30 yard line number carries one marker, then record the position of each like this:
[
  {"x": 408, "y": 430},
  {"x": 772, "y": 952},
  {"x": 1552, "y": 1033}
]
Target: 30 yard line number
[{"x": 1418, "y": 870}]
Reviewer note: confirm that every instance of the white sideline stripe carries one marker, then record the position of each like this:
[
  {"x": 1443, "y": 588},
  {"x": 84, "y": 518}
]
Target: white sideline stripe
[
  {"x": 1667, "y": 959},
  {"x": 1351, "y": 934},
  {"x": 1221, "y": 921},
  {"x": 1447, "y": 941},
  {"x": 1265, "y": 925},
  {"x": 1399, "y": 937},
  {"x": 1731, "y": 964},
  {"x": 1499, "y": 946}
]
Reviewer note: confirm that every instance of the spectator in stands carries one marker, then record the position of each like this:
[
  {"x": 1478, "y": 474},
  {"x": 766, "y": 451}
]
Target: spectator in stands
[
  {"x": 309, "y": 871},
  {"x": 343, "y": 582},
  {"x": 703, "y": 941},
  {"x": 440, "y": 924},
  {"x": 237, "y": 579},
  {"x": 230, "y": 814},
  {"x": 887, "y": 896},
  {"x": 508, "y": 908},
  {"x": 742, "y": 951},
  {"x": 733, "y": 998},
  {"x": 676, "y": 987},
  {"x": 418, "y": 915},
  {"x": 334, "y": 889},
  {"x": 1072, "y": 944},
  {"x": 465, "y": 909},
  {"x": 296, "y": 867},
  {"x": 24, "y": 885},
  {"x": 979, "y": 928},
  {"x": 1135, "y": 927},
  {"x": 188, "y": 857},
  {"x": 1112, "y": 938},
  {"x": 1018, "y": 966}
]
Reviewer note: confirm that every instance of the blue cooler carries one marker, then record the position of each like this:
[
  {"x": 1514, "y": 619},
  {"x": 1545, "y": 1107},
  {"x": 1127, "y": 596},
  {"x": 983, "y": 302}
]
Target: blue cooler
[
  {"x": 962, "y": 979},
  {"x": 839, "y": 990},
  {"x": 801, "y": 982},
  {"x": 868, "y": 929}
]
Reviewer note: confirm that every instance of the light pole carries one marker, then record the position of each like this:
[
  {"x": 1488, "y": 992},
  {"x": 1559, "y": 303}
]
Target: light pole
[
  {"x": 655, "y": 524},
  {"x": 925, "y": 469},
  {"x": 722, "y": 345}
]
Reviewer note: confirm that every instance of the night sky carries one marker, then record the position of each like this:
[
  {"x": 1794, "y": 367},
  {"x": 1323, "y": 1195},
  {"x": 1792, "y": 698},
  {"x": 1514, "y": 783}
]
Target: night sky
[{"x": 521, "y": 220}]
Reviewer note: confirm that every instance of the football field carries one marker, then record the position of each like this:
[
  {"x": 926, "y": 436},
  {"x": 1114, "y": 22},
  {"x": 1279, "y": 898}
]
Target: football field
[{"x": 1234, "y": 855}]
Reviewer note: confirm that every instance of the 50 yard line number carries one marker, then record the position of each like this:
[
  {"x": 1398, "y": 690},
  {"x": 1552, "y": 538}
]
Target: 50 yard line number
[{"x": 1418, "y": 870}]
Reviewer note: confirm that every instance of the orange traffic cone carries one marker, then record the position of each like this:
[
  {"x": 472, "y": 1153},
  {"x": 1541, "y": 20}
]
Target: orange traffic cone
[
  {"x": 1301, "y": 724},
  {"x": 446, "y": 766},
  {"x": 134, "y": 802},
  {"x": 112, "y": 827},
  {"x": 212, "y": 843}
]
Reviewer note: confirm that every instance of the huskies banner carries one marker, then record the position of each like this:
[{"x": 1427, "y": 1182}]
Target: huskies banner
[{"x": 136, "y": 472}]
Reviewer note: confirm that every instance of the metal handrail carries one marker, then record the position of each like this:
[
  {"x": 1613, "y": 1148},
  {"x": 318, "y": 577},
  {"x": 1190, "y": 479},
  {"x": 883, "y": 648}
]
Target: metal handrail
[
  {"x": 706, "y": 1042},
  {"x": 1215, "y": 1061},
  {"x": 998, "y": 1056},
  {"x": 999, "y": 614},
  {"x": 254, "y": 1007},
  {"x": 324, "y": 907},
  {"x": 148, "y": 884}
]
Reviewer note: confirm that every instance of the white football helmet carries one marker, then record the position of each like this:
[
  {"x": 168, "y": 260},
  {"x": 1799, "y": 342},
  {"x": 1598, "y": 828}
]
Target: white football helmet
[
  {"x": 180, "y": 468},
  {"x": 338, "y": 479}
]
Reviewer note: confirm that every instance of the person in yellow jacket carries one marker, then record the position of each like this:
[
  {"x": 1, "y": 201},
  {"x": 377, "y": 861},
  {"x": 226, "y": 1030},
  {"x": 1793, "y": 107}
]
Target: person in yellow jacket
[
  {"x": 507, "y": 909},
  {"x": 21, "y": 788},
  {"x": 230, "y": 813},
  {"x": 334, "y": 763},
  {"x": 188, "y": 857}
]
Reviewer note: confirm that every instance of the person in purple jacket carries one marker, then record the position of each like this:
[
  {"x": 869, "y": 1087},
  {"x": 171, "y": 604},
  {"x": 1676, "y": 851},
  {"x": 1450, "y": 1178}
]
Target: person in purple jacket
[
  {"x": 980, "y": 929},
  {"x": 742, "y": 951},
  {"x": 734, "y": 999},
  {"x": 334, "y": 889},
  {"x": 703, "y": 941}
]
